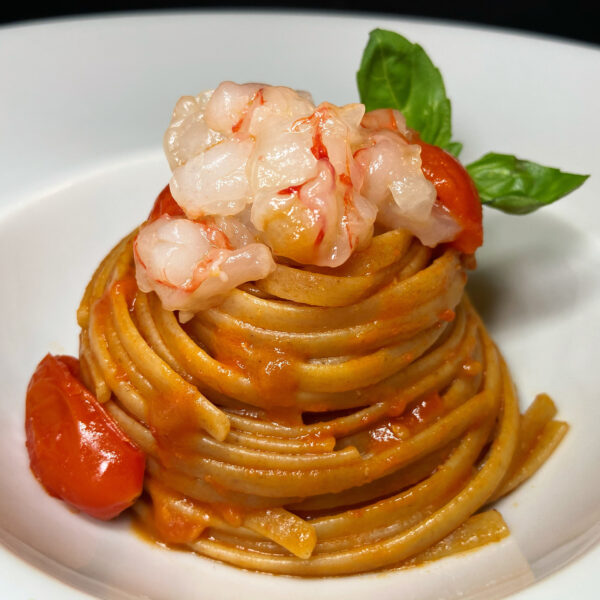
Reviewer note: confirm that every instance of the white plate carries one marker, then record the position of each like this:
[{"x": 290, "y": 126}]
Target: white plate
[{"x": 83, "y": 107}]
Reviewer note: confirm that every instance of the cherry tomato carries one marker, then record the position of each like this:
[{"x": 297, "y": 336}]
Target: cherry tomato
[
  {"x": 456, "y": 192},
  {"x": 76, "y": 449},
  {"x": 165, "y": 205}
]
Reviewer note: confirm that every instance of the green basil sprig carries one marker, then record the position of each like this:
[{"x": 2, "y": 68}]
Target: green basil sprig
[
  {"x": 395, "y": 73},
  {"x": 519, "y": 186}
]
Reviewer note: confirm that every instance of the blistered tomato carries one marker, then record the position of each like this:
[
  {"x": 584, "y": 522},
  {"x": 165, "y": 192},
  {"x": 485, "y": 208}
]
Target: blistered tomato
[
  {"x": 456, "y": 192},
  {"x": 76, "y": 449},
  {"x": 165, "y": 205}
]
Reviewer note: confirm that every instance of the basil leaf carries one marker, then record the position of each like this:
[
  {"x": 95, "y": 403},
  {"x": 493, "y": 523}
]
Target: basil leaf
[
  {"x": 454, "y": 148},
  {"x": 395, "y": 73},
  {"x": 518, "y": 186}
]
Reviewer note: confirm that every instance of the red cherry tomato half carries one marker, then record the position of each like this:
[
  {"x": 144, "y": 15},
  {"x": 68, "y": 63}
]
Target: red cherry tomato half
[
  {"x": 76, "y": 449},
  {"x": 165, "y": 205},
  {"x": 456, "y": 192}
]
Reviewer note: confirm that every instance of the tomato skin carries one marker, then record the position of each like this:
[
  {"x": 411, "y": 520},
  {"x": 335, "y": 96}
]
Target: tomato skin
[
  {"x": 165, "y": 205},
  {"x": 456, "y": 192},
  {"x": 76, "y": 450}
]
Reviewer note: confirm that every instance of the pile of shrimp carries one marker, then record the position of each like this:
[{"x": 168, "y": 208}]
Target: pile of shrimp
[{"x": 261, "y": 171}]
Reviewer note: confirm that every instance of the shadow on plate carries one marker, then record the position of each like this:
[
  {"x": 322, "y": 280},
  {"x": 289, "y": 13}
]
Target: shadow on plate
[{"x": 532, "y": 269}]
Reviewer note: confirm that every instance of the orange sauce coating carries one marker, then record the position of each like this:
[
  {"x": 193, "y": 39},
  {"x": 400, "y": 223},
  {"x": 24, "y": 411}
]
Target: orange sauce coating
[{"x": 271, "y": 370}]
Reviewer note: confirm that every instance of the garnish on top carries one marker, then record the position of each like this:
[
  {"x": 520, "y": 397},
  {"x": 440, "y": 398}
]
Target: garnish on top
[
  {"x": 261, "y": 171},
  {"x": 395, "y": 73}
]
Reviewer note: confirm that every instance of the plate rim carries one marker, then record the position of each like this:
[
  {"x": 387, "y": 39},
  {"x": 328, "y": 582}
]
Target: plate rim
[{"x": 546, "y": 584}]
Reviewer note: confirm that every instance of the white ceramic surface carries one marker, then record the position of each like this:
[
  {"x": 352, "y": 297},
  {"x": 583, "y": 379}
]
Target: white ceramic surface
[{"x": 82, "y": 111}]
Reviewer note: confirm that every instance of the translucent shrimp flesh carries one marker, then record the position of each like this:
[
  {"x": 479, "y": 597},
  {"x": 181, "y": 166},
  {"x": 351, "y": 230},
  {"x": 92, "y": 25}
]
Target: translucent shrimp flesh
[
  {"x": 261, "y": 171},
  {"x": 192, "y": 264}
]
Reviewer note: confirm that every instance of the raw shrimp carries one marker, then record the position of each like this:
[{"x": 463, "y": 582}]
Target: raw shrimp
[
  {"x": 387, "y": 118},
  {"x": 188, "y": 134},
  {"x": 244, "y": 144},
  {"x": 192, "y": 264},
  {"x": 215, "y": 181},
  {"x": 322, "y": 220},
  {"x": 292, "y": 161},
  {"x": 311, "y": 179},
  {"x": 394, "y": 181},
  {"x": 249, "y": 108}
]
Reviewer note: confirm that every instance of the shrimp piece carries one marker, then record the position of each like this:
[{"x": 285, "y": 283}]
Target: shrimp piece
[
  {"x": 191, "y": 265},
  {"x": 215, "y": 181},
  {"x": 239, "y": 229},
  {"x": 279, "y": 108},
  {"x": 392, "y": 169},
  {"x": 294, "y": 221},
  {"x": 395, "y": 182},
  {"x": 387, "y": 118},
  {"x": 250, "y": 107},
  {"x": 229, "y": 104},
  {"x": 319, "y": 222},
  {"x": 281, "y": 159},
  {"x": 439, "y": 227},
  {"x": 334, "y": 131},
  {"x": 284, "y": 155},
  {"x": 310, "y": 180},
  {"x": 188, "y": 134},
  {"x": 321, "y": 219}
]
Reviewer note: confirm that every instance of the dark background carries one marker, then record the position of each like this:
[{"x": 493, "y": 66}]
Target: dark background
[{"x": 574, "y": 19}]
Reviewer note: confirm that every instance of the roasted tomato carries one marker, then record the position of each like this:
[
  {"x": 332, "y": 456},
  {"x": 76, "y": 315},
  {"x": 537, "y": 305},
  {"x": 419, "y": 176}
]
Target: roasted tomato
[
  {"x": 76, "y": 449},
  {"x": 456, "y": 192}
]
